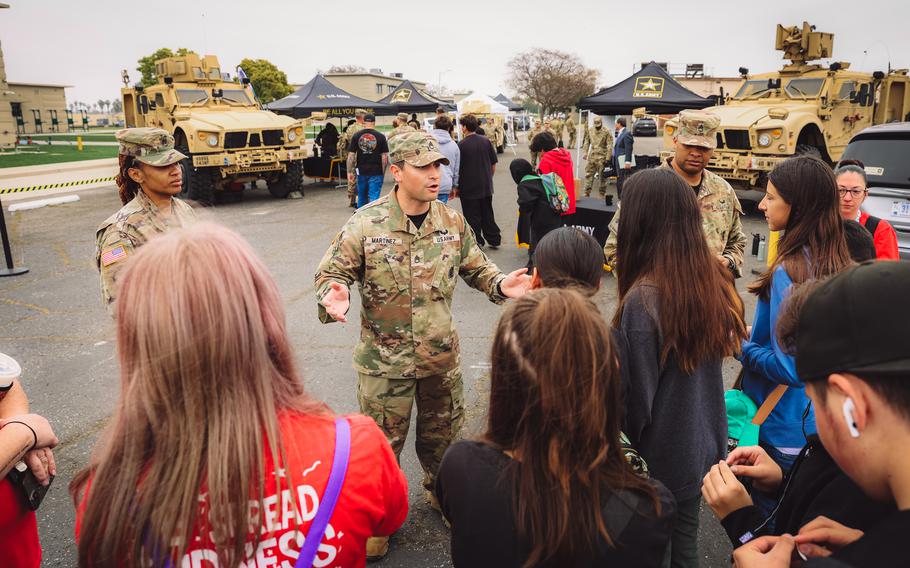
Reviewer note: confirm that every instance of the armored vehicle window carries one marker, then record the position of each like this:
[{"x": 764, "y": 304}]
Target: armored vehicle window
[
  {"x": 191, "y": 96},
  {"x": 750, "y": 87},
  {"x": 846, "y": 88},
  {"x": 804, "y": 88},
  {"x": 159, "y": 100},
  {"x": 198, "y": 73},
  {"x": 215, "y": 73},
  {"x": 236, "y": 96}
]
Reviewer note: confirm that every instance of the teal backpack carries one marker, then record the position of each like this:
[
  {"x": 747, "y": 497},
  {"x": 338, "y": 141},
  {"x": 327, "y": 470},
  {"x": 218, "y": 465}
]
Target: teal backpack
[
  {"x": 741, "y": 410},
  {"x": 557, "y": 195}
]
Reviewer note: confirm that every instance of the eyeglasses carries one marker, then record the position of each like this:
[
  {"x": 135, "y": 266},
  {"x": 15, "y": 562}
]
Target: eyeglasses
[{"x": 855, "y": 193}]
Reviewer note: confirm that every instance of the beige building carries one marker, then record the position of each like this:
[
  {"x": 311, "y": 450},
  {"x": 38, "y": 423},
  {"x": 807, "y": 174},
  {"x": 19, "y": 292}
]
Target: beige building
[
  {"x": 706, "y": 86},
  {"x": 372, "y": 85},
  {"x": 38, "y": 107},
  {"x": 7, "y": 122}
]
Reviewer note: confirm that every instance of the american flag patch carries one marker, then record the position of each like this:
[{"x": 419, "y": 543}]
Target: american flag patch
[{"x": 111, "y": 256}]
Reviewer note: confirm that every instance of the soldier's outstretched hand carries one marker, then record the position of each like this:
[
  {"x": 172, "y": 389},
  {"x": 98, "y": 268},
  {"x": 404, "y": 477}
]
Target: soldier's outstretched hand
[
  {"x": 337, "y": 301},
  {"x": 516, "y": 284}
]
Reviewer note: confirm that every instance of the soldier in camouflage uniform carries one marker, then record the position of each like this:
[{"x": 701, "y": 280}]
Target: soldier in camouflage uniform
[
  {"x": 493, "y": 132},
  {"x": 556, "y": 127},
  {"x": 150, "y": 176},
  {"x": 572, "y": 128},
  {"x": 406, "y": 251},
  {"x": 535, "y": 156},
  {"x": 343, "y": 142},
  {"x": 598, "y": 147},
  {"x": 403, "y": 126},
  {"x": 695, "y": 141}
]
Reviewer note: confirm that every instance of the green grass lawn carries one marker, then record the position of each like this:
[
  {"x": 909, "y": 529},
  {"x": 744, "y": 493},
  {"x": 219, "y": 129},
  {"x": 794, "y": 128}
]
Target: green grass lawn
[
  {"x": 87, "y": 137},
  {"x": 56, "y": 154}
]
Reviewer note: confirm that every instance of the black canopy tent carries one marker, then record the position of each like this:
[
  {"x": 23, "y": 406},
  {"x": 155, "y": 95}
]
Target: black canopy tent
[
  {"x": 320, "y": 95},
  {"x": 408, "y": 98},
  {"x": 511, "y": 105},
  {"x": 652, "y": 88}
]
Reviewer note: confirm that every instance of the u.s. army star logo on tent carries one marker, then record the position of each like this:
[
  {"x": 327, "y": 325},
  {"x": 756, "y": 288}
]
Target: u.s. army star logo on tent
[
  {"x": 649, "y": 87},
  {"x": 401, "y": 96}
]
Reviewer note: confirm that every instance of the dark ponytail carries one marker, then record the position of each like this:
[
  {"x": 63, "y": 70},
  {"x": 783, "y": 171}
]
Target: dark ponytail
[{"x": 127, "y": 186}]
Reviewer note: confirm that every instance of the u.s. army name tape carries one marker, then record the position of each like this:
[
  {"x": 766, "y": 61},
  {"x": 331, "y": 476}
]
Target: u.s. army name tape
[{"x": 56, "y": 185}]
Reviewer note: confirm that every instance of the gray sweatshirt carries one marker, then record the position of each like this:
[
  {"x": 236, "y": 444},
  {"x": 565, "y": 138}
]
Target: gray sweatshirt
[{"x": 449, "y": 149}]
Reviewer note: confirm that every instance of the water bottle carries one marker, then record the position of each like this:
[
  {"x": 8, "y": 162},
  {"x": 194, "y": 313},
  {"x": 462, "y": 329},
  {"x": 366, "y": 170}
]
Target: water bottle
[{"x": 763, "y": 250}]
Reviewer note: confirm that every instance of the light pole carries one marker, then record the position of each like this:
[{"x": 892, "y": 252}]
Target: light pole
[{"x": 439, "y": 81}]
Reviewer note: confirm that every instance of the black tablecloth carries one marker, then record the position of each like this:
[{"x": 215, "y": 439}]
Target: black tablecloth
[
  {"x": 592, "y": 215},
  {"x": 318, "y": 167}
]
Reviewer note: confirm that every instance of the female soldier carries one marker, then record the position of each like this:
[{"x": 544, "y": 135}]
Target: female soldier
[{"x": 149, "y": 178}]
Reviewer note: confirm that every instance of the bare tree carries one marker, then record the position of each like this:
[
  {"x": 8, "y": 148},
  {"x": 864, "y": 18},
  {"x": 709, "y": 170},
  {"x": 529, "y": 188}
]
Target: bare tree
[
  {"x": 350, "y": 68},
  {"x": 555, "y": 79}
]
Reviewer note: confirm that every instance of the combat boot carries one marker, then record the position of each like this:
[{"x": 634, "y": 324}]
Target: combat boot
[
  {"x": 434, "y": 504},
  {"x": 377, "y": 547}
]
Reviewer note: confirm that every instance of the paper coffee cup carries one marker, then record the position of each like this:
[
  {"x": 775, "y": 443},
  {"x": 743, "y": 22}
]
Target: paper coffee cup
[{"x": 9, "y": 371}]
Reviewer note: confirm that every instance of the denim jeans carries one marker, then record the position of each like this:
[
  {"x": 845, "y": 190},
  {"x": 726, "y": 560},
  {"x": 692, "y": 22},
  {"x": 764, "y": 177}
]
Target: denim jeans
[
  {"x": 766, "y": 503},
  {"x": 683, "y": 549},
  {"x": 444, "y": 197},
  {"x": 368, "y": 189}
]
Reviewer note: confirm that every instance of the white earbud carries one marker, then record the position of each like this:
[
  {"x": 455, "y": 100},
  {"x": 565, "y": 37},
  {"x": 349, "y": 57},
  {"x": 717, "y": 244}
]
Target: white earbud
[{"x": 849, "y": 408}]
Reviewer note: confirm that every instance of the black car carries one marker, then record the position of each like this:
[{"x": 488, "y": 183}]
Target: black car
[
  {"x": 644, "y": 126},
  {"x": 884, "y": 149}
]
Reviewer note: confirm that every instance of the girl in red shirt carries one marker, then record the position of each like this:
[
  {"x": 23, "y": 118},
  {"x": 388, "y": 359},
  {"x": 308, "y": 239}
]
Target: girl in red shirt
[
  {"x": 215, "y": 455},
  {"x": 556, "y": 160},
  {"x": 852, "y": 189}
]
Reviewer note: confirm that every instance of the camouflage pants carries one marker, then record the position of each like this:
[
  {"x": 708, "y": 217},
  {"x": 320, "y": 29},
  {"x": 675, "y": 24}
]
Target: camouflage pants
[
  {"x": 595, "y": 166},
  {"x": 440, "y": 414},
  {"x": 352, "y": 190},
  {"x": 535, "y": 157},
  {"x": 573, "y": 139}
]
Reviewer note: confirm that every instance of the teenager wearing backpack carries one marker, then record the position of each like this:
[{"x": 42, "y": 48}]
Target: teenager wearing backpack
[
  {"x": 558, "y": 161},
  {"x": 534, "y": 205}
]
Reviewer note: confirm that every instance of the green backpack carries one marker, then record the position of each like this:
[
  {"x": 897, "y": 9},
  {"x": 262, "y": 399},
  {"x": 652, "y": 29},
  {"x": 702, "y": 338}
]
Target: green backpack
[
  {"x": 557, "y": 195},
  {"x": 740, "y": 411}
]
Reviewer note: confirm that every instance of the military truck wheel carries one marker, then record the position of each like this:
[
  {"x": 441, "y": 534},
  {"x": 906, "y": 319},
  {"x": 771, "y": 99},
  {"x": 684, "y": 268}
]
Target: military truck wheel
[
  {"x": 197, "y": 182},
  {"x": 291, "y": 180}
]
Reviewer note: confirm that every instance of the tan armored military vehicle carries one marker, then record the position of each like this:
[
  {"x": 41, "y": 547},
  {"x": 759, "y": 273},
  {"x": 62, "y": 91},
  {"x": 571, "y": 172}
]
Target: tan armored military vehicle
[
  {"x": 804, "y": 108},
  {"x": 220, "y": 126}
]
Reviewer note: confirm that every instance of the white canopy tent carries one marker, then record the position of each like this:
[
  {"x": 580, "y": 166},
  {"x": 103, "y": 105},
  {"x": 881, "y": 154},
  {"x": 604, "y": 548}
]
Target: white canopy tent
[{"x": 477, "y": 103}]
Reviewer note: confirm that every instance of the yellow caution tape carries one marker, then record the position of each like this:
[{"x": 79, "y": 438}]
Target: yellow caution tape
[{"x": 56, "y": 185}]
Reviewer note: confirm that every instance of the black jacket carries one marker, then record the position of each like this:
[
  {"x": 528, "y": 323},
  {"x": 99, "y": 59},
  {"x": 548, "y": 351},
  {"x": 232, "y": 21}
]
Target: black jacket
[
  {"x": 816, "y": 486},
  {"x": 535, "y": 210},
  {"x": 883, "y": 546}
]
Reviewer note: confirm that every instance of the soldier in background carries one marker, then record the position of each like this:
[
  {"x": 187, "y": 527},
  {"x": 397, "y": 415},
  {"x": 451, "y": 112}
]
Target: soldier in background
[
  {"x": 406, "y": 251},
  {"x": 414, "y": 123},
  {"x": 573, "y": 130},
  {"x": 149, "y": 178},
  {"x": 556, "y": 126},
  {"x": 695, "y": 141},
  {"x": 598, "y": 147},
  {"x": 535, "y": 156},
  {"x": 401, "y": 125},
  {"x": 343, "y": 142}
]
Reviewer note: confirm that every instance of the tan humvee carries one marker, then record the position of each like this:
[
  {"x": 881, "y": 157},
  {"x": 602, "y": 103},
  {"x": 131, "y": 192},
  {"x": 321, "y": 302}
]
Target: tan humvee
[{"x": 220, "y": 126}]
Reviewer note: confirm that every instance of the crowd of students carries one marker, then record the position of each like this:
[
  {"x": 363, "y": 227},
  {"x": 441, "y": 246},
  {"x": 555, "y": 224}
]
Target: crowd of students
[{"x": 603, "y": 433}]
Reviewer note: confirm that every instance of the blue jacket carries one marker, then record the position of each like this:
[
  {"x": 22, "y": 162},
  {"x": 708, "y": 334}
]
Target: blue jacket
[{"x": 767, "y": 366}]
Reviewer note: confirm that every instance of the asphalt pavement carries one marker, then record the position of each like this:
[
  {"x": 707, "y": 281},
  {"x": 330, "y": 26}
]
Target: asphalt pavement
[{"x": 52, "y": 322}]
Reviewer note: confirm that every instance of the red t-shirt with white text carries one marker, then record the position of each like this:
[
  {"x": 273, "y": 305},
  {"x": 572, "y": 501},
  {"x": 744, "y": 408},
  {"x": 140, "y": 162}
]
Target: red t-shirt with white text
[{"x": 373, "y": 500}]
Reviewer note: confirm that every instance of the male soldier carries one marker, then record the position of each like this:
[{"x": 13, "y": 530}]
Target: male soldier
[
  {"x": 413, "y": 122},
  {"x": 535, "y": 156},
  {"x": 343, "y": 142},
  {"x": 573, "y": 131},
  {"x": 406, "y": 251},
  {"x": 556, "y": 126},
  {"x": 493, "y": 132},
  {"x": 695, "y": 140},
  {"x": 401, "y": 120},
  {"x": 598, "y": 147},
  {"x": 150, "y": 180}
]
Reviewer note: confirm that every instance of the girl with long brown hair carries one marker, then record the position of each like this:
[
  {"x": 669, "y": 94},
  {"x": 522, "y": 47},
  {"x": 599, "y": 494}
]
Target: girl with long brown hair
[
  {"x": 802, "y": 201},
  {"x": 547, "y": 484},
  {"x": 680, "y": 315},
  {"x": 149, "y": 179},
  {"x": 215, "y": 452}
]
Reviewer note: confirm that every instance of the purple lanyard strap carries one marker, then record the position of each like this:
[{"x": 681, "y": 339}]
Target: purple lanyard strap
[{"x": 330, "y": 497}]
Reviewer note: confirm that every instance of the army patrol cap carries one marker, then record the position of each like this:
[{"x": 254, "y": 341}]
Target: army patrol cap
[
  {"x": 598, "y": 120},
  {"x": 152, "y": 146},
  {"x": 698, "y": 128},
  {"x": 417, "y": 148},
  {"x": 402, "y": 116}
]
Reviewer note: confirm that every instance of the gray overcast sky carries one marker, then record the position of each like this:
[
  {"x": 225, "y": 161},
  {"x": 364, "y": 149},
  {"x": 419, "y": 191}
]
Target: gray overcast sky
[{"x": 86, "y": 44}]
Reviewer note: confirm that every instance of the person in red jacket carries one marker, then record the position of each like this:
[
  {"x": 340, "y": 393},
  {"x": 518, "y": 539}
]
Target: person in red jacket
[
  {"x": 852, "y": 188},
  {"x": 216, "y": 455},
  {"x": 558, "y": 161}
]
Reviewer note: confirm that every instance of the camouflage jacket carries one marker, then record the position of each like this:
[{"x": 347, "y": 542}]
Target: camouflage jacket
[
  {"x": 128, "y": 229},
  {"x": 601, "y": 142},
  {"x": 345, "y": 140},
  {"x": 407, "y": 277},
  {"x": 720, "y": 220},
  {"x": 398, "y": 130},
  {"x": 534, "y": 132},
  {"x": 556, "y": 127}
]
